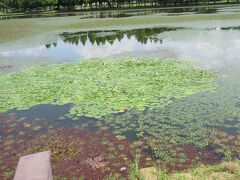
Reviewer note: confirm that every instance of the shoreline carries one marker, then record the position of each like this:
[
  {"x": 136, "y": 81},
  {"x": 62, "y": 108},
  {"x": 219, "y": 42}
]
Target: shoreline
[{"x": 100, "y": 10}]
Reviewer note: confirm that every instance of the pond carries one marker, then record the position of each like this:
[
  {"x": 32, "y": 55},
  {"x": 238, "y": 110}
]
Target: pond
[
  {"x": 213, "y": 47},
  {"x": 165, "y": 95}
]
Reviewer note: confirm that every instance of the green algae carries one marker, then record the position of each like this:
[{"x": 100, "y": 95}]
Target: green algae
[{"x": 101, "y": 87}]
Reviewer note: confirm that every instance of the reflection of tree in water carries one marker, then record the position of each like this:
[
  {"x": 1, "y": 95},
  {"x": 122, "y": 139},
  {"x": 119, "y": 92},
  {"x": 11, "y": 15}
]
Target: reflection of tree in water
[
  {"x": 205, "y": 10},
  {"x": 48, "y": 46},
  {"x": 103, "y": 37}
]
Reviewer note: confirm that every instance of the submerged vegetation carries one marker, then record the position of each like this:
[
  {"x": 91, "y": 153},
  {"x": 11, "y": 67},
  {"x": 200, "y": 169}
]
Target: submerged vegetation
[
  {"x": 86, "y": 149},
  {"x": 203, "y": 120},
  {"x": 78, "y": 150},
  {"x": 101, "y": 87}
]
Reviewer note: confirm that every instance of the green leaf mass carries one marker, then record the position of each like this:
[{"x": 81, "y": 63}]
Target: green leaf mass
[{"x": 100, "y": 87}]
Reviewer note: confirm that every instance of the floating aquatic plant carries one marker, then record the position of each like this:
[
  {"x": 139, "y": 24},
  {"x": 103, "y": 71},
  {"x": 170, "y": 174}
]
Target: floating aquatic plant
[
  {"x": 193, "y": 119},
  {"x": 101, "y": 87}
]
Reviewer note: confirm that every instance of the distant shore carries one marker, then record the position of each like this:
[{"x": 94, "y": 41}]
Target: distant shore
[{"x": 125, "y": 8}]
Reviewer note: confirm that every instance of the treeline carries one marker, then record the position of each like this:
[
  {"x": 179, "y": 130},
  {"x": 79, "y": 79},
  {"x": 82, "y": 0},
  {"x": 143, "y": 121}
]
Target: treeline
[
  {"x": 23, "y": 5},
  {"x": 30, "y": 5}
]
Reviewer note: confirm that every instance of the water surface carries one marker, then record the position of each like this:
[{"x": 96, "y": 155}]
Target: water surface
[
  {"x": 212, "y": 47},
  {"x": 203, "y": 127}
]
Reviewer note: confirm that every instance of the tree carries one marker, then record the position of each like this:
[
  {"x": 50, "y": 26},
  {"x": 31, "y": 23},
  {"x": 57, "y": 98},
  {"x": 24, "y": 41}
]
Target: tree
[
  {"x": 3, "y": 5},
  {"x": 28, "y": 5}
]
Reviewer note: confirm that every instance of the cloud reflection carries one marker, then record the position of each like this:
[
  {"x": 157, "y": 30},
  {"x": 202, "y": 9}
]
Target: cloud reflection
[{"x": 211, "y": 49}]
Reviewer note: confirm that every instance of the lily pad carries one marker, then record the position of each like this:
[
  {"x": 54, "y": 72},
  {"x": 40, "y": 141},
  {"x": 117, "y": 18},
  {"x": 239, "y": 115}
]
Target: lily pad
[{"x": 101, "y": 87}]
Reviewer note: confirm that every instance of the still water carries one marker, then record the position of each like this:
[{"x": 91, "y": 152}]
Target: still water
[
  {"x": 192, "y": 120},
  {"x": 210, "y": 46}
]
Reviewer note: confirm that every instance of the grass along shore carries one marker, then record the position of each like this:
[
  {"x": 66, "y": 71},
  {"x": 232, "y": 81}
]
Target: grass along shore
[{"x": 229, "y": 170}]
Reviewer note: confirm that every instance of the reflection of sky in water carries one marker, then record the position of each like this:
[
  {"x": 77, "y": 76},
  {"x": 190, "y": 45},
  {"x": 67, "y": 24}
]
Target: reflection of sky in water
[
  {"x": 65, "y": 51},
  {"x": 212, "y": 48}
]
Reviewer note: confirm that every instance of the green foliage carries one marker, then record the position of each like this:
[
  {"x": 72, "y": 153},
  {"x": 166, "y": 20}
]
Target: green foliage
[
  {"x": 111, "y": 156},
  {"x": 161, "y": 174},
  {"x": 121, "y": 147},
  {"x": 114, "y": 176},
  {"x": 8, "y": 174},
  {"x": 120, "y": 137},
  {"x": 224, "y": 170},
  {"x": 102, "y": 87},
  {"x": 3, "y": 4},
  {"x": 190, "y": 120},
  {"x": 92, "y": 4},
  {"x": 134, "y": 171},
  {"x": 36, "y": 128}
]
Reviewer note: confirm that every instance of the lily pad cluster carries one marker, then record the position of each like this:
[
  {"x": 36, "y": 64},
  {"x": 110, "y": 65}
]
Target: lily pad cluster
[
  {"x": 194, "y": 119},
  {"x": 101, "y": 87}
]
